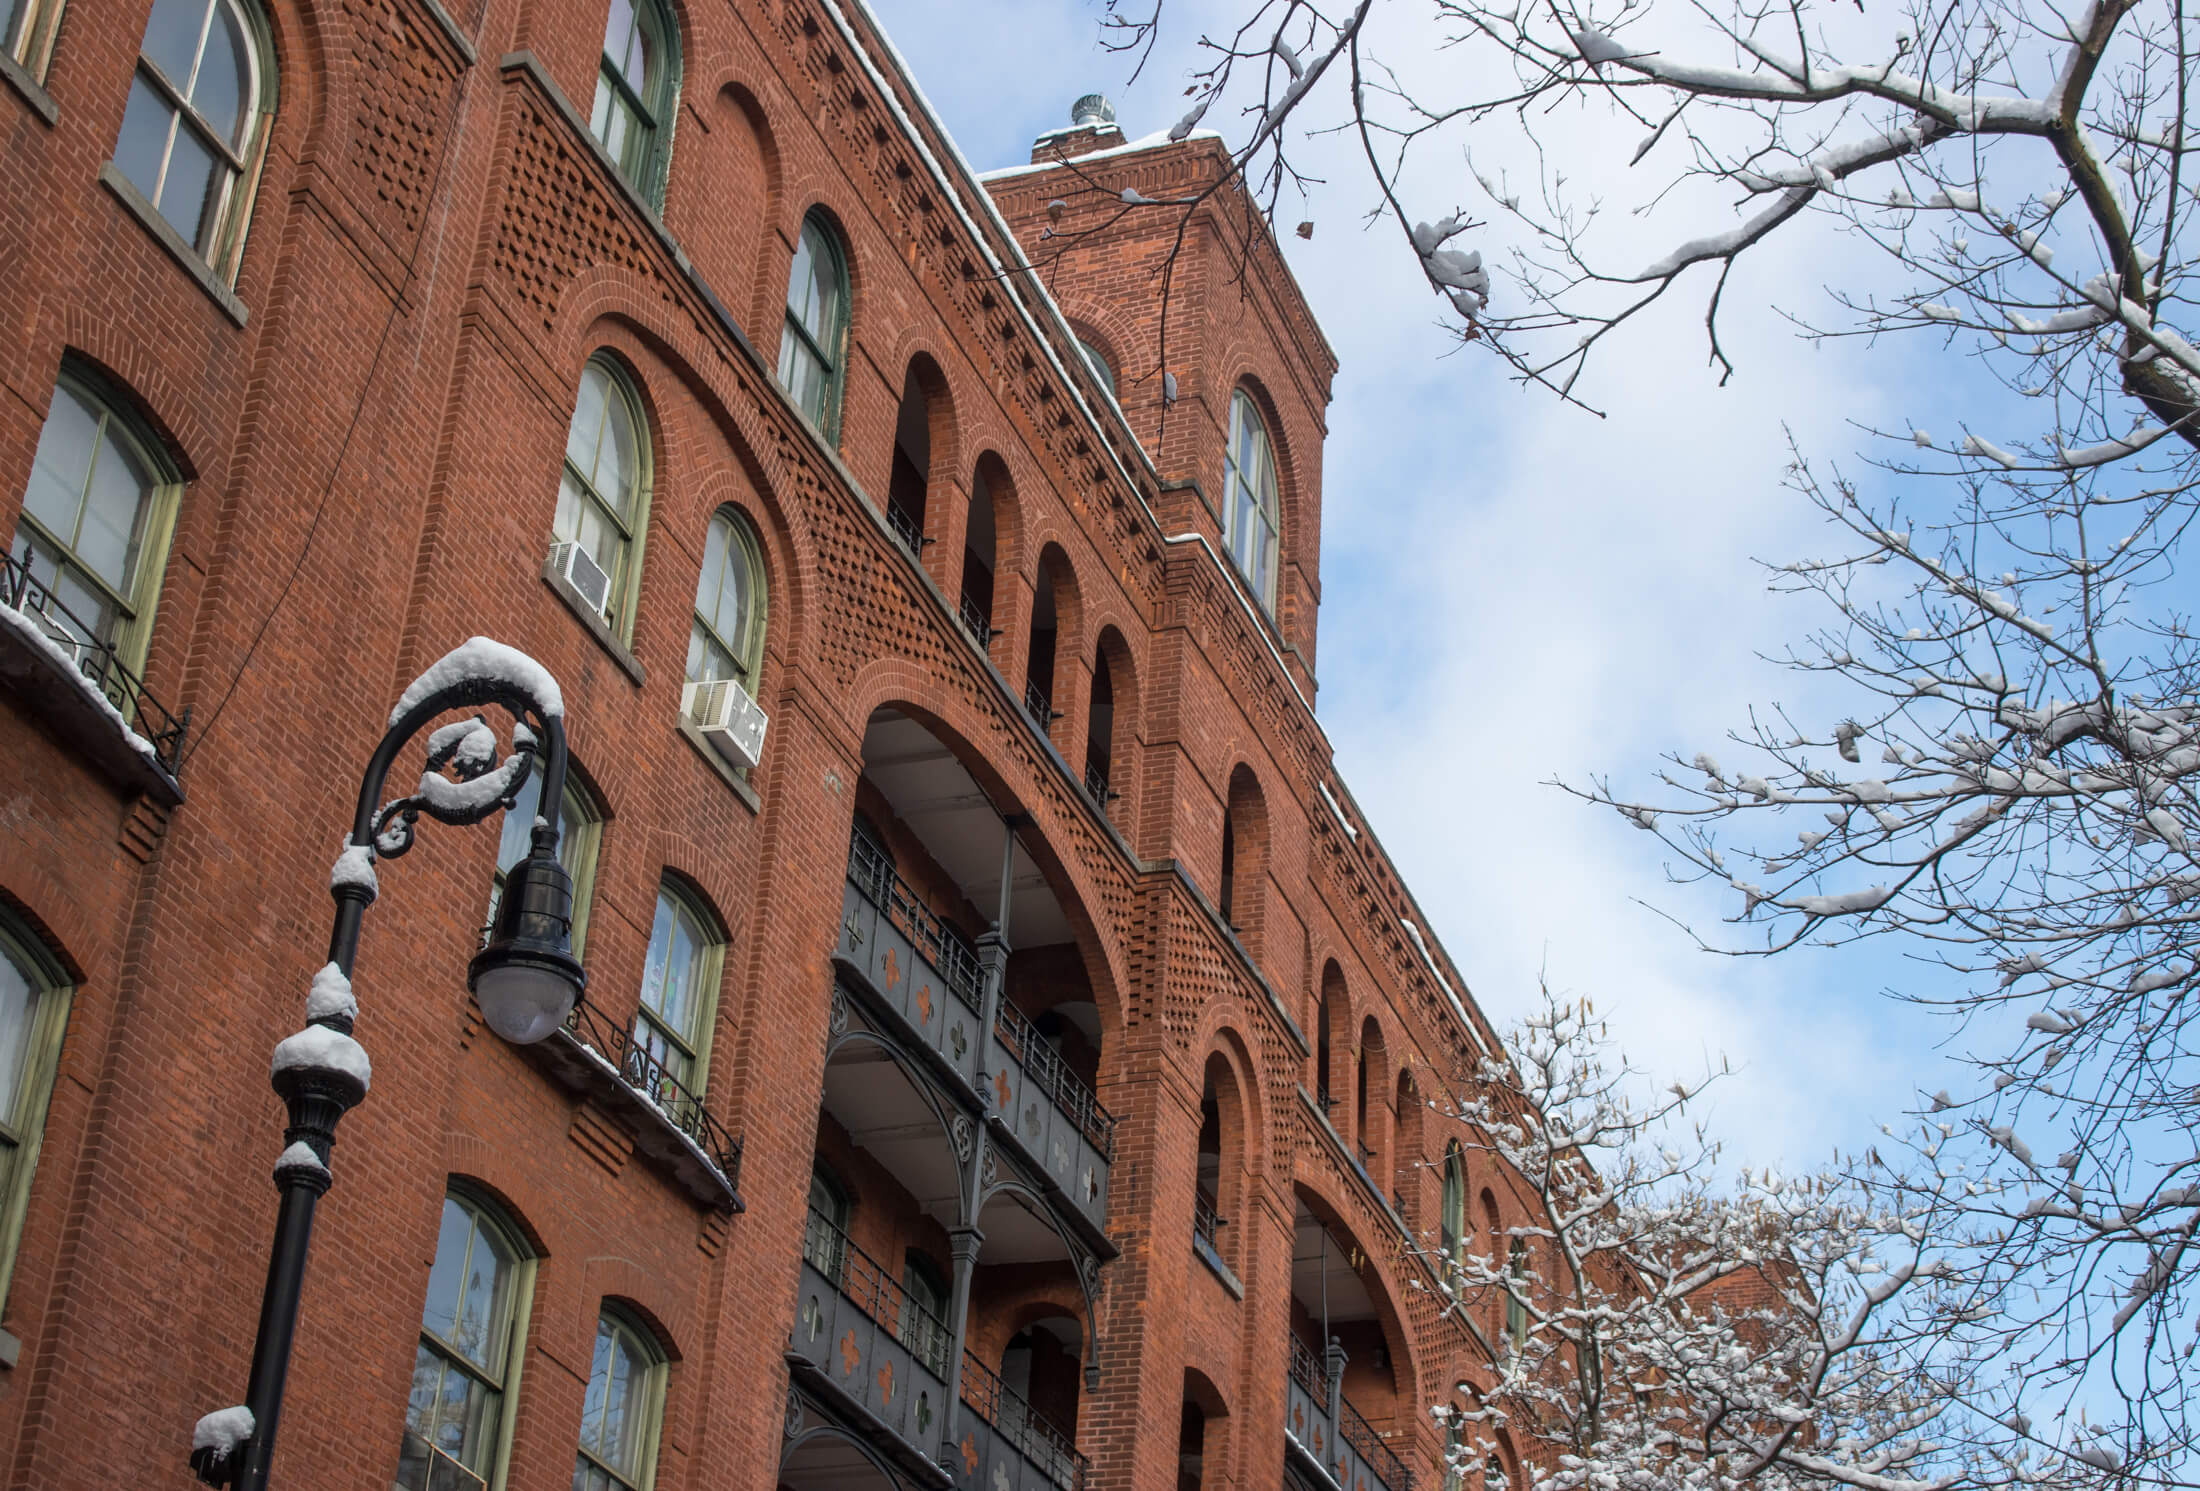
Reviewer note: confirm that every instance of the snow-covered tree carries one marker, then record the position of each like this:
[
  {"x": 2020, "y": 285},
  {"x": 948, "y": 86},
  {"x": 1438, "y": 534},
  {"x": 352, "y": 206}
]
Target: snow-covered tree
[
  {"x": 1656, "y": 1330},
  {"x": 2003, "y": 782}
]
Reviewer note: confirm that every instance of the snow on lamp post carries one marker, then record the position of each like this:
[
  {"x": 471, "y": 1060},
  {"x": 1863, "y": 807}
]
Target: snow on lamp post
[{"x": 525, "y": 977}]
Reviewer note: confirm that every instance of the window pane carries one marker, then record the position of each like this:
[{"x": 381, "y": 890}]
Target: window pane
[
  {"x": 707, "y": 660},
  {"x": 617, "y": 127},
  {"x": 186, "y": 191},
  {"x": 709, "y": 584},
  {"x": 484, "y": 1324},
  {"x": 172, "y": 37},
  {"x": 618, "y": 475},
  {"x": 114, "y": 513},
  {"x": 441, "y": 1312},
  {"x": 586, "y": 432},
  {"x": 63, "y": 462},
  {"x": 143, "y": 144},
  {"x": 219, "y": 90},
  {"x": 800, "y": 276},
  {"x": 19, "y": 991}
]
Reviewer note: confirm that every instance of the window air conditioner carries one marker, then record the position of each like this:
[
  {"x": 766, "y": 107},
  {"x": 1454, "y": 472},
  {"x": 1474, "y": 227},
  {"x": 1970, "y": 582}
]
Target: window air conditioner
[
  {"x": 728, "y": 718},
  {"x": 580, "y": 570}
]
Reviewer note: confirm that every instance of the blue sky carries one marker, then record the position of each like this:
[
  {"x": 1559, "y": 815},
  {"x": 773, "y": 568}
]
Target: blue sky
[{"x": 1515, "y": 590}]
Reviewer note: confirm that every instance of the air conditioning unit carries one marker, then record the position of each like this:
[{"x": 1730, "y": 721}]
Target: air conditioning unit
[
  {"x": 728, "y": 718},
  {"x": 580, "y": 570}
]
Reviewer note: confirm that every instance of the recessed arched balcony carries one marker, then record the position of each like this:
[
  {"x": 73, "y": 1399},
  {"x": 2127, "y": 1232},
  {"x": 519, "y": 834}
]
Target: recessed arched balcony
[{"x": 1343, "y": 1382}]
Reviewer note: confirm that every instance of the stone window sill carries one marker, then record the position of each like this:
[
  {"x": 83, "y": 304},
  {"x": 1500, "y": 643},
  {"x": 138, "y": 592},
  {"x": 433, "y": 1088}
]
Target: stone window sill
[
  {"x": 22, "y": 82},
  {"x": 598, "y": 628},
  {"x": 1217, "y": 1267},
  {"x": 111, "y": 177}
]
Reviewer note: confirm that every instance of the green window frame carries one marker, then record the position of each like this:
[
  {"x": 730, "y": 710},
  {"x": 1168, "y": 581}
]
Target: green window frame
[
  {"x": 1516, "y": 1285},
  {"x": 816, "y": 333},
  {"x": 194, "y": 132},
  {"x": 35, "y": 996},
  {"x": 580, "y": 825},
  {"x": 466, "y": 1367},
  {"x": 98, "y": 514},
  {"x": 638, "y": 93},
  {"x": 32, "y": 25},
  {"x": 680, "y": 975},
  {"x": 623, "y": 1409},
  {"x": 727, "y": 637},
  {"x": 603, "y": 496},
  {"x": 1249, "y": 504},
  {"x": 1453, "y": 1231},
  {"x": 1102, "y": 370}
]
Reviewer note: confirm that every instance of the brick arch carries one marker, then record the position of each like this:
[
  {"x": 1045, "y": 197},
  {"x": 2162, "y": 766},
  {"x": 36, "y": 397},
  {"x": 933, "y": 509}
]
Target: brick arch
[
  {"x": 1222, "y": 1033},
  {"x": 907, "y": 686},
  {"x": 1383, "y": 1287},
  {"x": 1289, "y": 486},
  {"x": 1124, "y": 735},
  {"x": 49, "y": 910},
  {"x": 304, "y": 121},
  {"x": 473, "y": 1163},
  {"x": 1333, "y": 991},
  {"x": 1114, "y": 333},
  {"x": 789, "y": 562},
  {"x": 130, "y": 366},
  {"x": 730, "y": 96},
  {"x": 1246, "y": 828},
  {"x": 923, "y": 375},
  {"x": 607, "y": 1279}
]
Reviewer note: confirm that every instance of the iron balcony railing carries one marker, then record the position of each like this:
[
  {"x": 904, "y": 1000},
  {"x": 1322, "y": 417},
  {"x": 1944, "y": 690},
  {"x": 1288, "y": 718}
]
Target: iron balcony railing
[
  {"x": 864, "y": 1282},
  {"x": 646, "y": 1075},
  {"x": 97, "y": 660},
  {"x": 1036, "y": 705},
  {"x": 976, "y": 621},
  {"x": 1096, "y": 785},
  {"x": 1306, "y": 1370},
  {"x": 1037, "y": 1438},
  {"x": 1044, "y": 1066},
  {"x": 939, "y": 944},
  {"x": 1205, "y": 1223},
  {"x": 910, "y": 531},
  {"x": 956, "y": 962}
]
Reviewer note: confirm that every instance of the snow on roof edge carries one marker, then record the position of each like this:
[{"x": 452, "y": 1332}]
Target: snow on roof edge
[{"x": 1153, "y": 141}]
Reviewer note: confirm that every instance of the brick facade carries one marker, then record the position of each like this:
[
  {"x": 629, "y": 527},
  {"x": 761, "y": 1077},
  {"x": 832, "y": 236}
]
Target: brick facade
[{"x": 369, "y": 429}]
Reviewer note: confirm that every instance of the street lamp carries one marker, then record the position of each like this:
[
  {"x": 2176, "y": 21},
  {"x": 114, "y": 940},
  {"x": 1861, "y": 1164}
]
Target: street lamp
[{"x": 525, "y": 977}]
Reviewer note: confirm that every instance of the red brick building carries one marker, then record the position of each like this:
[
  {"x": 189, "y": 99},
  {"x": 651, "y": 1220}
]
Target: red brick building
[{"x": 1019, "y": 1071}]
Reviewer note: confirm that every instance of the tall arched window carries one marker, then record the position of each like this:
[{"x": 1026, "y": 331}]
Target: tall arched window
[
  {"x": 96, "y": 519},
  {"x": 817, "y": 326},
  {"x": 620, "y": 1415},
  {"x": 603, "y": 500},
  {"x": 727, "y": 639},
  {"x": 195, "y": 129},
  {"x": 1452, "y": 1233},
  {"x": 1249, "y": 499},
  {"x": 1516, "y": 1290},
  {"x": 679, "y": 996},
  {"x": 34, "y": 1016},
  {"x": 638, "y": 92},
  {"x": 467, "y": 1363}
]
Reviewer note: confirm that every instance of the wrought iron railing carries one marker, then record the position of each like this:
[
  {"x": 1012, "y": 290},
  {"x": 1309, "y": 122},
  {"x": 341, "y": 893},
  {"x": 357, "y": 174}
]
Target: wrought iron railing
[
  {"x": 935, "y": 941},
  {"x": 1308, "y": 1373},
  {"x": 906, "y": 527},
  {"x": 976, "y": 621},
  {"x": 1041, "y": 1441},
  {"x": 1096, "y": 785},
  {"x": 640, "y": 1070},
  {"x": 864, "y": 1282},
  {"x": 1036, "y": 705},
  {"x": 1044, "y": 1067},
  {"x": 1205, "y": 1223},
  {"x": 97, "y": 660}
]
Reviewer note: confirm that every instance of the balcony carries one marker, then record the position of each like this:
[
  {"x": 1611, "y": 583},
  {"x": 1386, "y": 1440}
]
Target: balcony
[
  {"x": 593, "y": 1057},
  {"x": 1003, "y": 1433},
  {"x": 930, "y": 979},
  {"x": 1096, "y": 786},
  {"x": 906, "y": 528},
  {"x": 1351, "y": 1453},
  {"x": 882, "y": 1352},
  {"x": 975, "y": 621},
  {"x": 1038, "y": 707},
  {"x": 78, "y": 686}
]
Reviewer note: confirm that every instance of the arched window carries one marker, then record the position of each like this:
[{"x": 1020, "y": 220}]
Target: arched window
[
  {"x": 34, "y": 1016},
  {"x": 1099, "y": 365},
  {"x": 679, "y": 997},
  {"x": 1226, "y": 888},
  {"x": 727, "y": 640},
  {"x": 95, "y": 524},
  {"x": 1516, "y": 1291},
  {"x": 824, "y": 1242},
  {"x": 1453, "y": 1231},
  {"x": 625, "y": 1402},
  {"x": 467, "y": 1363},
  {"x": 603, "y": 500},
  {"x": 29, "y": 37},
  {"x": 195, "y": 129},
  {"x": 637, "y": 94},
  {"x": 817, "y": 326},
  {"x": 1249, "y": 499},
  {"x": 579, "y": 822}
]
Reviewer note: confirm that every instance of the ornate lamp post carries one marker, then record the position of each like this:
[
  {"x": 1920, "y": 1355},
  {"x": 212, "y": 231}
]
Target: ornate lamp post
[{"x": 525, "y": 977}]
